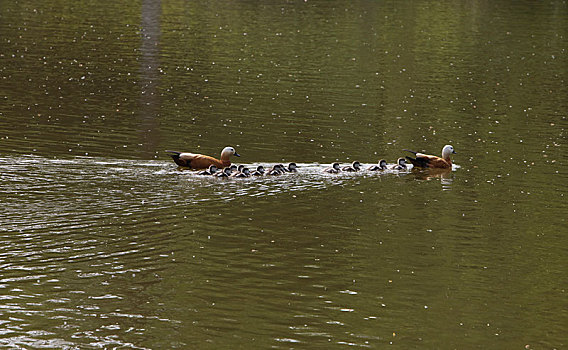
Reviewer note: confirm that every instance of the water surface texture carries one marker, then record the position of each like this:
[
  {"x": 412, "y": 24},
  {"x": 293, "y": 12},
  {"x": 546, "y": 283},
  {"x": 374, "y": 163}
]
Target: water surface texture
[{"x": 104, "y": 243}]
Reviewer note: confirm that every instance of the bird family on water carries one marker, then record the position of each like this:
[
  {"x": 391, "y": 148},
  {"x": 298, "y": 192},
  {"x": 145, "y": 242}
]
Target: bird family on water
[{"x": 223, "y": 168}]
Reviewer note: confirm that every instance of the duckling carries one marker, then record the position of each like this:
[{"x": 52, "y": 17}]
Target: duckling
[
  {"x": 225, "y": 173},
  {"x": 334, "y": 169},
  {"x": 292, "y": 168},
  {"x": 259, "y": 171},
  {"x": 240, "y": 169},
  {"x": 382, "y": 165},
  {"x": 235, "y": 168},
  {"x": 355, "y": 166},
  {"x": 428, "y": 161},
  {"x": 277, "y": 169},
  {"x": 200, "y": 161},
  {"x": 400, "y": 164},
  {"x": 210, "y": 171},
  {"x": 245, "y": 172}
]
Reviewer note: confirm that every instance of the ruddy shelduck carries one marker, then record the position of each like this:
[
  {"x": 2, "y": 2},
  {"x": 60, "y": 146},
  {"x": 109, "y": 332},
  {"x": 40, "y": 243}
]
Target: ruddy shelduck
[
  {"x": 225, "y": 173},
  {"x": 292, "y": 168},
  {"x": 211, "y": 170},
  {"x": 277, "y": 169},
  {"x": 355, "y": 166},
  {"x": 243, "y": 172},
  {"x": 200, "y": 161},
  {"x": 382, "y": 165},
  {"x": 400, "y": 164},
  {"x": 334, "y": 169},
  {"x": 428, "y": 161},
  {"x": 259, "y": 171}
]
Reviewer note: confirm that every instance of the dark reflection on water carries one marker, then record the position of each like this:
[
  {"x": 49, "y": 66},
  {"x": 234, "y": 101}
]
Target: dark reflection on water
[{"x": 104, "y": 243}]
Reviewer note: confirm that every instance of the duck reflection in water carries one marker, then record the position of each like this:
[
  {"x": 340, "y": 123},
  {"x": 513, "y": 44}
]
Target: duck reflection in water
[{"x": 429, "y": 174}]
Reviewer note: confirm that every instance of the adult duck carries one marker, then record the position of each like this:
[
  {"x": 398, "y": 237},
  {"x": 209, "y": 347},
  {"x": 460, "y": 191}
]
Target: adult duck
[
  {"x": 433, "y": 162},
  {"x": 200, "y": 161}
]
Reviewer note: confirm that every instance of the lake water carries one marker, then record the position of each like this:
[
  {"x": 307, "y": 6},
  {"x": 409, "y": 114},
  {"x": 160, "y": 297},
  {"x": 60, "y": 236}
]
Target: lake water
[{"x": 104, "y": 243}]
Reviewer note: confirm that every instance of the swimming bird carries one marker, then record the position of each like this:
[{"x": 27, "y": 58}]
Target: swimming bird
[
  {"x": 277, "y": 169},
  {"x": 245, "y": 172},
  {"x": 211, "y": 170},
  {"x": 355, "y": 166},
  {"x": 334, "y": 169},
  {"x": 292, "y": 168},
  {"x": 428, "y": 161},
  {"x": 200, "y": 161},
  {"x": 382, "y": 165},
  {"x": 400, "y": 164},
  {"x": 225, "y": 173},
  {"x": 259, "y": 171}
]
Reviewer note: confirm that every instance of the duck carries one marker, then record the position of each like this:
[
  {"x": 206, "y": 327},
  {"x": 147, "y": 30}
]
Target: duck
[
  {"x": 429, "y": 161},
  {"x": 258, "y": 172},
  {"x": 211, "y": 170},
  {"x": 236, "y": 169},
  {"x": 200, "y": 161},
  {"x": 382, "y": 165},
  {"x": 225, "y": 173},
  {"x": 292, "y": 168},
  {"x": 245, "y": 172},
  {"x": 400, "y": 164},
  {"x": 277, "y": 169},
  {"x": 355, "y": 166},
  {"x": 334, "y": 169}
]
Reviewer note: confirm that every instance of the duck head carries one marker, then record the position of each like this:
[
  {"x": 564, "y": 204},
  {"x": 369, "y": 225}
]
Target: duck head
[
  {"x": 402, "y": 162},
  {"x": 356, "y": 165},
  {"x": 228, "y": 151},
  {"x": 382, "y": 164},
  {"x": 212, "y": 169},
  {"x": 336, "y": 166},
  {"x": 260, "y": 169},
  {"x": 292, "y": 167},
  {"x": 447, "y": 150}
]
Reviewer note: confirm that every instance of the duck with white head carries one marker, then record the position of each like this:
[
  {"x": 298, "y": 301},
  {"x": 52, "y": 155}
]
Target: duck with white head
[
  {"x": 201, "y": 161},
  {"x": 433, "y": 162}
]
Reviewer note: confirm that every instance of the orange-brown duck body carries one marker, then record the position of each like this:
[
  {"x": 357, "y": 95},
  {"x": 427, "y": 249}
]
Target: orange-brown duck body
[
  {"x": 433, "y": 162},
  {"x": 200, "y": 161}
]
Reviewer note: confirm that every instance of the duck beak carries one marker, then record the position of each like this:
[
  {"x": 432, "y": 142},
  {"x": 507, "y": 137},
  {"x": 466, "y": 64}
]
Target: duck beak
[
  {"x": 236, "y": 154},
  {"x": 454, "y": 152}
]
